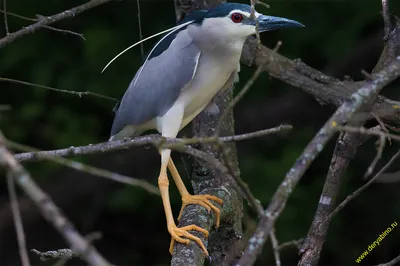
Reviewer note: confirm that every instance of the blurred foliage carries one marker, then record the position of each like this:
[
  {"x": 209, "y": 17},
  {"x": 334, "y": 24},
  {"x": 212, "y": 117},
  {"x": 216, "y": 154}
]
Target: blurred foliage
[{"x": 133, "y": 222}]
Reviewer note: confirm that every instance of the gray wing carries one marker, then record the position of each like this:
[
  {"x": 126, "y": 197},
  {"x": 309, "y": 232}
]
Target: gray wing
[{"x": 157, "y": 84}]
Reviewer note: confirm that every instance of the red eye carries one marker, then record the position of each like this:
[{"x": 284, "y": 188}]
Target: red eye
[{"x": 236, "y": 17}]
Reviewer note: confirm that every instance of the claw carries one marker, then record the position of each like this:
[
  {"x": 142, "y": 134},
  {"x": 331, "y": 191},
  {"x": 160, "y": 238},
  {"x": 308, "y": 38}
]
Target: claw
[
  {"x": 204, "y": 201},
  {"x": 177, "y": 234}
]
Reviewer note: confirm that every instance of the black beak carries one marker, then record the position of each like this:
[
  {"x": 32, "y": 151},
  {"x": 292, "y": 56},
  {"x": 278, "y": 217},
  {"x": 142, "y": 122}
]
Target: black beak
[{"x": 268, "y": 23}]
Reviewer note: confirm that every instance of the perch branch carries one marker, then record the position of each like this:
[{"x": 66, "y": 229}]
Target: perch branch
[{"x": 140, "y": 141}]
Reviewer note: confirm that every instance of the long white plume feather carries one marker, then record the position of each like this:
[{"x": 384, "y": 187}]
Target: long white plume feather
[{"x": 145, "y": 39}]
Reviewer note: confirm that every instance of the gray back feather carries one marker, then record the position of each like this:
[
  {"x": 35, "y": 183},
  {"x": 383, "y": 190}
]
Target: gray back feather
[{"x": 157, "y": 84}]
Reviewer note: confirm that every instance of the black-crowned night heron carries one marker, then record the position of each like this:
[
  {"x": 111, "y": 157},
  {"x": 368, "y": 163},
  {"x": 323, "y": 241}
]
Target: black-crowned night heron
[{"x": 178, "y": 80}]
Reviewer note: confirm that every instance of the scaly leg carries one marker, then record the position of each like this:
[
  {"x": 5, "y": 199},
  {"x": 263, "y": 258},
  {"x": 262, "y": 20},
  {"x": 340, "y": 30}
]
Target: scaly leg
[
  {"x": 176, "y": 233},
  {"x": 169, "y": 125},
  {"x": 202, "y": 200}
]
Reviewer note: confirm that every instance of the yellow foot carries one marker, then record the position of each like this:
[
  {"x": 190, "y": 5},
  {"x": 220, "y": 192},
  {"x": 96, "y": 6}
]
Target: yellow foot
[
  {"x": 203, "y": 200},
  {"x": 177, "y": 234}
]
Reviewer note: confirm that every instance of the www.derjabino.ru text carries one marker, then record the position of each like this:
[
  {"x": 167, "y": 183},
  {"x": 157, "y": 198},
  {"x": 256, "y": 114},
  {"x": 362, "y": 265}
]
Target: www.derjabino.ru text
[{"x": 377, "y": 242}]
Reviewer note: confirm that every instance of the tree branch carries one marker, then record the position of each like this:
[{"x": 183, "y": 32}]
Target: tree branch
[
  {"x": 77, "y": 93},
  {"x": 342, "y": 115},
  {"x": 45, "y": 21},
  {"x": 49, "y": 210},
  {"x": 64, "y": 253},
  {"x": 325, "y": 89},
  {"x": 156, "y": 140},
  {"x": 19, "y": 228}
]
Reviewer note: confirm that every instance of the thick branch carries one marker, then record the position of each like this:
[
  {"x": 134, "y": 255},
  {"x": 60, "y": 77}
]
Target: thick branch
[
  {"x": 326, "y": 89},
  {"x": 342, "y": 115},
  {"x": 345, "y": 150}
]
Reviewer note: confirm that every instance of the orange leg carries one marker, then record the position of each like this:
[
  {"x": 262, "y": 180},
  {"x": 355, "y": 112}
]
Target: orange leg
[
  {"x": 176, "y": 233},
  {"x": 202, "y": 200}
]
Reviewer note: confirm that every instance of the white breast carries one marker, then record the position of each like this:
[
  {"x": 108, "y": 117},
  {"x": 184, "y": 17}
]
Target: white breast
[{"x": 211, "y": 75}]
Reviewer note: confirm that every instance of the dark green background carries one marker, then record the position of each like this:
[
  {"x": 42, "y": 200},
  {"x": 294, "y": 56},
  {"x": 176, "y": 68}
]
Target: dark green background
[{"x": 340, "y": 38}]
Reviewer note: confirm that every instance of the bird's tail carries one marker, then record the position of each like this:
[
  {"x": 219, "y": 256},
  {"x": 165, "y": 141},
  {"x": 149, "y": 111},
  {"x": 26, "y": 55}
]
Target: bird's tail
[{"x": 126, "y": 132}]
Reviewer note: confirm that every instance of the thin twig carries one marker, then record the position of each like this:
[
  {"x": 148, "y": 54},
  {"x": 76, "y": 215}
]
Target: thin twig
[
  {"x": 19, "y": 228},
  {"x": 366, "y": 131},
  {"x": 245, "y": 191},
  {"x": 362, "y": 188},
  {"x": 140, "y": 29},
  {"x": 252, "y": 15},
  {"x": 80, "y": 35},
  {"x": 345, "y": 150},
  {"x": 275, "y": 248},
  {"x": 49, "y": 210},
  {"x": 78, "y": 93},
  {"x": 382, "y": 125},
  {"x": 92, "y": 170},
  {"x": 371, "y": 167},
  {"x": 46, "y": 27},
  {"x": 5, "y": 17},
  {"x": 297, "y": 243},
  {"x": 48, "y": 20}
]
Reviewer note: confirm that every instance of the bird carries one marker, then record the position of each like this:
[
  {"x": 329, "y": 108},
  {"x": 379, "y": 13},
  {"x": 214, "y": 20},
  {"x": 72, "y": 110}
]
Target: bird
[{"x": 178, "y": 79}]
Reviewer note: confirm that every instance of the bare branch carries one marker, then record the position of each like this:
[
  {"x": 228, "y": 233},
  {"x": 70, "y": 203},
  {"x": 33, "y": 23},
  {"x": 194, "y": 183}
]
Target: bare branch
[
  {"x": 64, "y": 253},
  {"x": 46, "y": 27},
  {"x": 275, "y": 248},
  {"x": 342, "y": 115},
  {"x": 5, "y": 17},
  {"x": 140, "y": 29},
  {"x": 139, "y": 141},
  {"x": 19, "y": 228},
  {"x": 45, "y": 21},
  {"x": 49, "y": 210},
  {"x": 244, "y": 189},
  {"x": 326, "y": 89},
  {"x": 361, "y": 189},
  {"x": 78, "y": 93},
  {"x": 296, "y": 243},
  {"x": 366, "y": 131},
  {"x": 371, "y": 167},
  {"x": 345, "y": 150},
  {"x": 92, "y": 170}
]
